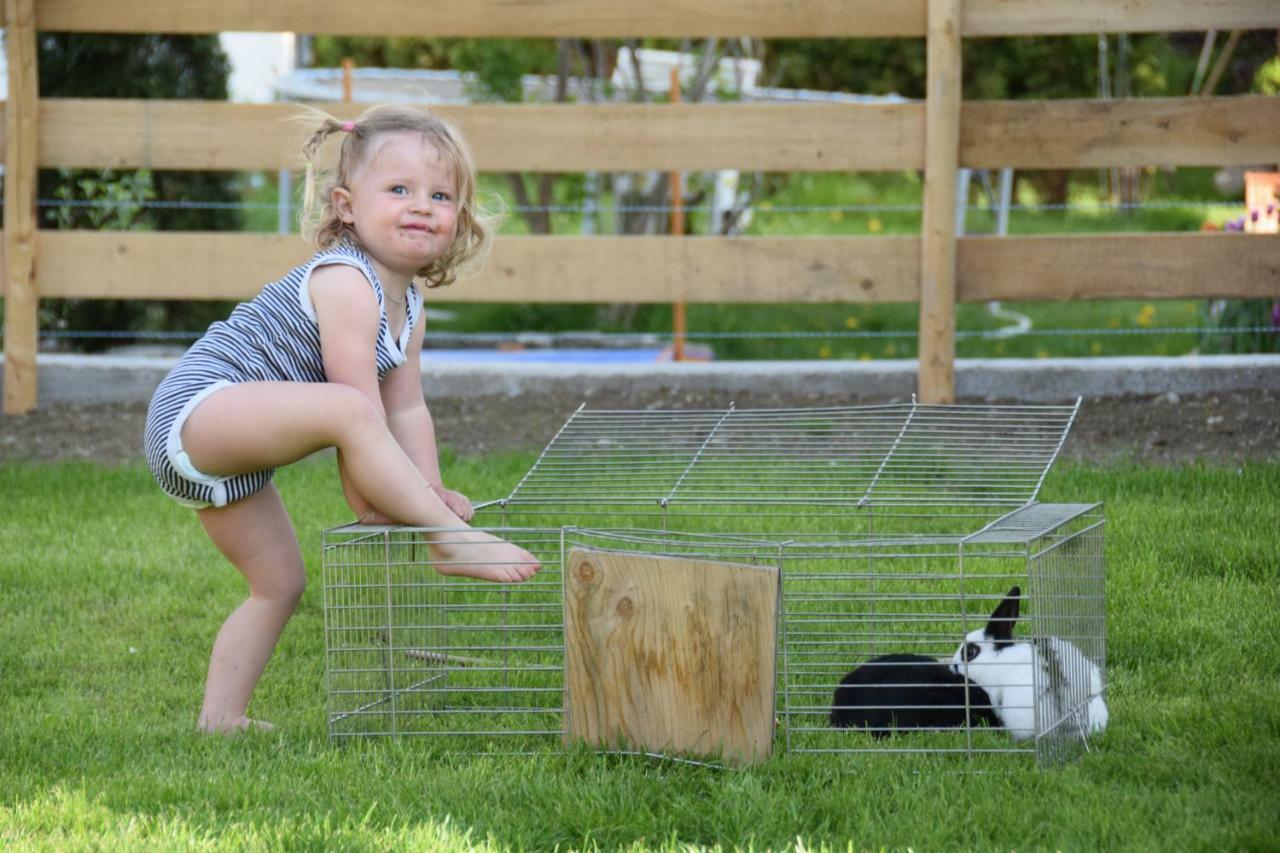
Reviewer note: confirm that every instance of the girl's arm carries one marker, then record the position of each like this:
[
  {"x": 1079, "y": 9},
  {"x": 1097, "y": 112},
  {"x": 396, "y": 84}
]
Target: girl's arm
[
  {"x": 411, "y": 424},
  {"x": 348, "y": 317}
]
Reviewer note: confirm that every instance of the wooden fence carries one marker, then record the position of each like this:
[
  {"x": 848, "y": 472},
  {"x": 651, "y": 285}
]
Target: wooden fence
[{"x": 939, "y": 136}]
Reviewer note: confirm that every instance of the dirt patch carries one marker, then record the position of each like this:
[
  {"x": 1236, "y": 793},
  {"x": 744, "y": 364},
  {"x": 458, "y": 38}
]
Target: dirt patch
[{"x": 1224, "y": 427}]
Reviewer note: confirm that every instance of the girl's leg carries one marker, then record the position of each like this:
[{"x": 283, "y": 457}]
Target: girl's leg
[
  {"x": 258, "y": 425},
  {"x": 256, "y": 536}
]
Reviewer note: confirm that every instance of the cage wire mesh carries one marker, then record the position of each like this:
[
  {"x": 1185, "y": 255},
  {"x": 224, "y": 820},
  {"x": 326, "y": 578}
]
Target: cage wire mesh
[
  {"x": 411, "y": 650},
  {"x": 897, "y": 529}
]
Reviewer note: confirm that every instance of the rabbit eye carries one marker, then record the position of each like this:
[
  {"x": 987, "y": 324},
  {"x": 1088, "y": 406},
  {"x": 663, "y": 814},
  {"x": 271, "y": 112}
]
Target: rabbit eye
[{"x": 971, "y": 651}]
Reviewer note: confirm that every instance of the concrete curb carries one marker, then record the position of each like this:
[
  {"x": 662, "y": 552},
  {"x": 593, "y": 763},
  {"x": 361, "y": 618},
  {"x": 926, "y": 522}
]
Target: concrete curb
[{"x": 107, "y": 378}]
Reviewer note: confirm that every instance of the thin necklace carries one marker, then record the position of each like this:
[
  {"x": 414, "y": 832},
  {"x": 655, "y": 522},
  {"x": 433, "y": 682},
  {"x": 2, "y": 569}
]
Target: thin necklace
[{"x": 392, "y": 299}]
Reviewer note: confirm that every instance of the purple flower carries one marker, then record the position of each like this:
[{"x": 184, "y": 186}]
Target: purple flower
[{"x": 1275, "y": 313}]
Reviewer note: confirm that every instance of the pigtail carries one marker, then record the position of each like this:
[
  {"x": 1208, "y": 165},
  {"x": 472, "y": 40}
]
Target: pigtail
[
  {"x": 316, "y": 219},
  {"x": 311, "y": 157}
]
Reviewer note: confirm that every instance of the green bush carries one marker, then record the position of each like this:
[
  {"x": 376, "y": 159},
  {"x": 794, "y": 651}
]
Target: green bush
[{"x": 120, "y": 66}]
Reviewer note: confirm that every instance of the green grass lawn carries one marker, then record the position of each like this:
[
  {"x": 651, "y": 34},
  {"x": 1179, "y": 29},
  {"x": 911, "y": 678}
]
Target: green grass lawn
[{"x": 111, "y": 597}]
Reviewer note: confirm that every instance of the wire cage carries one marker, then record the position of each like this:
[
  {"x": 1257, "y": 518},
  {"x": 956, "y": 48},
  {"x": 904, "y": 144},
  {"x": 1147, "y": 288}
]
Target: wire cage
[{"x": 896, "y": 530}]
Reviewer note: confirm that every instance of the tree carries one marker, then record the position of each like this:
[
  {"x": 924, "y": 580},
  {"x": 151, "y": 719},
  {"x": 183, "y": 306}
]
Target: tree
[
  {"x": 150, "y": 66},
  {"x": 1034, "y": 67}
]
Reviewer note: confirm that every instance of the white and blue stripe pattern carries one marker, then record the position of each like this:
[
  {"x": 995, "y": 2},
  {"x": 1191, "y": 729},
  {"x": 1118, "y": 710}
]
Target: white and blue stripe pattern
[{"x": 273, "y": 337}]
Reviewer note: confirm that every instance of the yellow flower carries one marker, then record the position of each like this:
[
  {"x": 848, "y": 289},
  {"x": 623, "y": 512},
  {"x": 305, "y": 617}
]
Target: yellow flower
[
  {"x": 1042, "y": 353},
  {"x": 1095, "y": 347},
  {"x": 874, "y": 225},
  {"x": 866, "y": 356},
  {"x": 851, "y": 322},
  {"x": 1147, "y": 315},
  {"x": 824, "y": 351}
]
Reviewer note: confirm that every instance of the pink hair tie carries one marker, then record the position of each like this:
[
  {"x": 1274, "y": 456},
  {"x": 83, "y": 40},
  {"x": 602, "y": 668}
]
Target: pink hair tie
[{"x": 348, "y": 126}]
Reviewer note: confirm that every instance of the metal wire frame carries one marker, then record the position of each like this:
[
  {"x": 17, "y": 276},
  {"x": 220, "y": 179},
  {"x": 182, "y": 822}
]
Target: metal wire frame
[
  {"x": 413, "y": 652},
  {"x": 606, "y": 340},
  {"x": 846, "y": 604},
  {"x": 1068, "y": 586},
  {"x": 908, "y": 454},
  {"x": 138, "y": 203}
]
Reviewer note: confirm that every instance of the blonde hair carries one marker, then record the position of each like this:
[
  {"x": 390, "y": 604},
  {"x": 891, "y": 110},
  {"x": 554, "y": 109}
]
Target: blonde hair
[{"x": 320, "y": 222}]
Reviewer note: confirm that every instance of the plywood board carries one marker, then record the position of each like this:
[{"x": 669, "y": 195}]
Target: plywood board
[{"x": 670, "y": 654}]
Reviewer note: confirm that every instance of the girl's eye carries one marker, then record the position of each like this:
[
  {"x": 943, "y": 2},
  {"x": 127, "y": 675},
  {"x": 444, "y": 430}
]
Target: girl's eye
[
  {"x": 440, "y": 196},
  {"x": 400, "y": 189}
]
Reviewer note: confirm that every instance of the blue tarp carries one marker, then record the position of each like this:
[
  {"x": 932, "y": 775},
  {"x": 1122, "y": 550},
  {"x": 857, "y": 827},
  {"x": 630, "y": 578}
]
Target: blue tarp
[{"x": 548, "y": 356}]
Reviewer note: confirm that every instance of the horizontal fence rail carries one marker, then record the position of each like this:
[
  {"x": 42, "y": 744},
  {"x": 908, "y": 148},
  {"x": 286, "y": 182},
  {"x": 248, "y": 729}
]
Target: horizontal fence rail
[
  {"x": 759, "y": 270},
  {"x": 1062, "y": 134},
  {"x": 627, "y": 18}
]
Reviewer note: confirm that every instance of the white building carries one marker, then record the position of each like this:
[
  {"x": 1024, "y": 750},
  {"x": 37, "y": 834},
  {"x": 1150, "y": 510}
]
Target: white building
[{"x": 258, "y": 61}]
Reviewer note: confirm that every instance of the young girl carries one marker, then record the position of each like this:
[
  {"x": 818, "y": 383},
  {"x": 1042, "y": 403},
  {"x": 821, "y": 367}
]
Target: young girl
[{"x": 328, "y": 357}]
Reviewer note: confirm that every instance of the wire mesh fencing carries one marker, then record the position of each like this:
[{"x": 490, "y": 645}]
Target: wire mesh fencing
[
  {"x": 896, "y": 531},
  {"x": 412, "y": 650}
]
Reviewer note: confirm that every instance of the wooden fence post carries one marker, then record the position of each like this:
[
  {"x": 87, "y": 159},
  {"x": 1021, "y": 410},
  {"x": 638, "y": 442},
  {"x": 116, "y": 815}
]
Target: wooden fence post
[
  {"x": 20, "y": 298},
  {"x": 937, "y": 380}
]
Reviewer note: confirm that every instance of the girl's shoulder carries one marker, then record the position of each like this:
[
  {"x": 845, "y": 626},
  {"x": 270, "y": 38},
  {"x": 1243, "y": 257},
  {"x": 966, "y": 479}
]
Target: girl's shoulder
[
  {"x": 293, "y": 291},
  {"x": 347, "y": 253}
]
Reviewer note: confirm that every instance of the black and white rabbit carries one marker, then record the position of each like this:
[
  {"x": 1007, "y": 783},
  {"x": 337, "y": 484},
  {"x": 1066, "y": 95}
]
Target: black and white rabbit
[
  {"x": 908, "y": 692},
  {"x": 1069, "y": 683}
]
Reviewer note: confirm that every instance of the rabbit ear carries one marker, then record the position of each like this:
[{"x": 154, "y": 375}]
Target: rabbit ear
[{"x": 1000, "y": 627}]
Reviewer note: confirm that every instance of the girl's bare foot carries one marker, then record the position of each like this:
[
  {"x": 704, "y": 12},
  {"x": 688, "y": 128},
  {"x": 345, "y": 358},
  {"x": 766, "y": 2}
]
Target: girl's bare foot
[
  {"x": 233, "y": 726},
  {"x": 481, "y": 555}
]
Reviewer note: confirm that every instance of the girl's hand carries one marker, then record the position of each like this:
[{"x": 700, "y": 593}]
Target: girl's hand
[{"x": 457, "y": 503}]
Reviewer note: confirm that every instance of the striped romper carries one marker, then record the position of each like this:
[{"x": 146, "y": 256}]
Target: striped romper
[{"x": 272, "y": 337}]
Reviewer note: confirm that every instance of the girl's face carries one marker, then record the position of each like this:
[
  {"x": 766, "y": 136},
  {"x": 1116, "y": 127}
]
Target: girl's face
[{"x": 402, "y": 204}]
